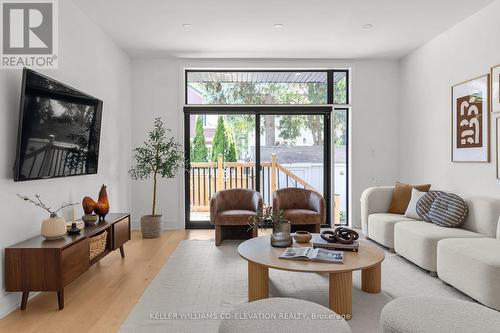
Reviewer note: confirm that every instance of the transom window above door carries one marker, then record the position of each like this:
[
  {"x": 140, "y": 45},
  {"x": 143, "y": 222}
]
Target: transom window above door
[{"x": 266, "y": 87}]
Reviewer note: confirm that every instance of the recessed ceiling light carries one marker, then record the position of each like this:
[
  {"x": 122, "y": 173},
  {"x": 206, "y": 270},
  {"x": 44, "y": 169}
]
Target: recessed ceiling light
[
  {"x": 278, "y": 25},
  {"x": 187, "y": 25},
  {"x": 367, "y": 26}
]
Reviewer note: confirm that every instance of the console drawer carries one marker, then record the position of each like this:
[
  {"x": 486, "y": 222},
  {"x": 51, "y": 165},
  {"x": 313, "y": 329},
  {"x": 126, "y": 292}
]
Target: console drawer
[
  {"x": 121, "y": 232},
  {"x": 74, "y": 261}
]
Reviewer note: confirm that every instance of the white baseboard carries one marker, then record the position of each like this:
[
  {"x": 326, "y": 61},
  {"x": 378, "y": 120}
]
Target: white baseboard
[{"x": 11, "y": 301}]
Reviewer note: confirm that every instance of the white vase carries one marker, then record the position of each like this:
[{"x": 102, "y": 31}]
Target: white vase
[{"x": 54, "y": 227}]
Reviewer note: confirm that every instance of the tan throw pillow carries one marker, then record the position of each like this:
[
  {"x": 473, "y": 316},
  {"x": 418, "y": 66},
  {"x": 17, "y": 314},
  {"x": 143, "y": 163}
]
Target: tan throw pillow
[{"x": 402, "y": 194}]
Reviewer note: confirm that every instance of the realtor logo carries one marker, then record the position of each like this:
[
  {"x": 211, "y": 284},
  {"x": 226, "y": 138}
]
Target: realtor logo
[{"x": 29, "y": 34}]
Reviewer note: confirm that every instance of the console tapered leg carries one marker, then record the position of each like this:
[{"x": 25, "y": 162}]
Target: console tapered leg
[
  {"x": 24, "y": 300},
  {"x": 60, "y": 299}
]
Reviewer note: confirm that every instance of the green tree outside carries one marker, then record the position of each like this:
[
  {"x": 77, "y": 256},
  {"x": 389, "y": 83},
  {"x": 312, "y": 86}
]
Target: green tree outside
[
  {"x": 199, "y": 151},
  {"x": 223, "y": 142}
]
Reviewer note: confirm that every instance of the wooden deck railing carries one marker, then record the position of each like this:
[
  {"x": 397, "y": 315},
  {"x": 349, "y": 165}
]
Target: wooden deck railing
[
  {"x": 210, "y": 177},
  {"x": 52, "y": 160}
]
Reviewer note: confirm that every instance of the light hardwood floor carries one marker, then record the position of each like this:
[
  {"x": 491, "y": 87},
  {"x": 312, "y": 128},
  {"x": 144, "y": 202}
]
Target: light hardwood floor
[{"x": 101, "y": 299}]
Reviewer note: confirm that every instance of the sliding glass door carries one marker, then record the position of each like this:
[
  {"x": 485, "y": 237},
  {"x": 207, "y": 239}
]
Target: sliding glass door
[
  {"x": 257, "y": 148},
  {"x": 292, "y": 153},
  {"x": 221, "y": 156}
]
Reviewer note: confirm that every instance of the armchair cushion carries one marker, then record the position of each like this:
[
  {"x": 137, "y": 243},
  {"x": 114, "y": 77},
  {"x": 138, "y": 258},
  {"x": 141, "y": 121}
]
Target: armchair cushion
[
  {"x": 302, "y": 216},
  {"x": 234, "y": 217}
]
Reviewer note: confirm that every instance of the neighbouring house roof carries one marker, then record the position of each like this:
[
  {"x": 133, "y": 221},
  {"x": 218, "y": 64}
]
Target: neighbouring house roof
[{"x": 301, "y": 154}]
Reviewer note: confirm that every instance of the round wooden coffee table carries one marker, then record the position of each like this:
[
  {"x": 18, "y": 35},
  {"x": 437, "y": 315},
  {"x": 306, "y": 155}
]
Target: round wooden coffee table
[{"x": 261, "y": 256}]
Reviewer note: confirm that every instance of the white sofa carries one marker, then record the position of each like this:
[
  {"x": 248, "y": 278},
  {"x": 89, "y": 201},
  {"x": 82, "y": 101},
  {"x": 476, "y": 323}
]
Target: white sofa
[
  {"x": 467, "y": 257},
  {"x": 417, "y": 240},
  {"x": 472, "y": 266}
]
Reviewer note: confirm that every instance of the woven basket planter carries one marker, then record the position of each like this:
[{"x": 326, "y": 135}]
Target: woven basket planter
[{"x": 151, "y": 226}]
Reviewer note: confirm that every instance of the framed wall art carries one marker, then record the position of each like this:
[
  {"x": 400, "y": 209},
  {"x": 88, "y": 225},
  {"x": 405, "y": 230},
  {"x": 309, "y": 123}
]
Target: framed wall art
[
  {"x": 495, "y": 89},
  {"x": 470, "y": 120}
]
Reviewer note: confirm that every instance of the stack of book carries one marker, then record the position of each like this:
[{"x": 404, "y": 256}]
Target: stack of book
[{"x": 319, "y": 242}]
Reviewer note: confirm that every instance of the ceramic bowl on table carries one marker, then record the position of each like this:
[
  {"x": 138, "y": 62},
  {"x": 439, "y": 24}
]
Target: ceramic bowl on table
[{"x": 302, "y": 236}]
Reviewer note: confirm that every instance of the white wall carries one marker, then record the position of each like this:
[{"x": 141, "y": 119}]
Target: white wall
[
  {"x": 158, "y": 91},
  {"x": 88, "y": 61},
  {"x": 465, "y": 51}
]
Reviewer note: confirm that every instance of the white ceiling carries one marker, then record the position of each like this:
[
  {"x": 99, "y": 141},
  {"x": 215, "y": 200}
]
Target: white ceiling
[{"x": 243, "y": 28}]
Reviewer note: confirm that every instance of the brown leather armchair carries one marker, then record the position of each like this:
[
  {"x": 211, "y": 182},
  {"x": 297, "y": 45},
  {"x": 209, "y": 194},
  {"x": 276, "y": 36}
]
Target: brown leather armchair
[
  {"x": 230, "y": 211},
  {"x": 305, "y": 209}
]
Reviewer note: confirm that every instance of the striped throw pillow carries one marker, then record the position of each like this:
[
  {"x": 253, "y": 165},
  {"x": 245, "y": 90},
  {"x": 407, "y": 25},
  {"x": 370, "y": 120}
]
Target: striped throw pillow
[
  {"x": 424, "y": 204},
  {"x": 448, "y": 210}
]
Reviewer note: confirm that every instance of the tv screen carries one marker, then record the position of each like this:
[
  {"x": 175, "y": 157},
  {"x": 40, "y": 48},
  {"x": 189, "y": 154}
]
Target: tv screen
[{"x": 59, "y": 130}]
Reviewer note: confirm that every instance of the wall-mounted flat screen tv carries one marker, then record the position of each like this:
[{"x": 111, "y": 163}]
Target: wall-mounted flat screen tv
[{"x": 59, "y": 129}]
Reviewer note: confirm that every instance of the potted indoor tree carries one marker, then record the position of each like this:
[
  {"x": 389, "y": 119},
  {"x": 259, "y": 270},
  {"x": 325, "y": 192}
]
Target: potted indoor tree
[{"x": 160, "y": 156}]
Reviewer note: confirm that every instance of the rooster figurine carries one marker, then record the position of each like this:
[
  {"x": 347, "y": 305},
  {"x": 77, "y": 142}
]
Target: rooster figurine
[{"x": 101, "y": 207}]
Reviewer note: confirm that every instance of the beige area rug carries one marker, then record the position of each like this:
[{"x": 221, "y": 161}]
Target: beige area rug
[{"x": 200, "y": 281}]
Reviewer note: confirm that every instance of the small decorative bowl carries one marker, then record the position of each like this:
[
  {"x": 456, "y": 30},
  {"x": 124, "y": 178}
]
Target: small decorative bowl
[
  {"x": 90, "y": 219},
  {"x": 302, "y": 236}
]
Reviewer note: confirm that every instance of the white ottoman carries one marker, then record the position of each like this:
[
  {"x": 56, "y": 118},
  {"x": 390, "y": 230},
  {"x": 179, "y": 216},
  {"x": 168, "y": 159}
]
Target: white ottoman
[
  {"x": 473, "y": 267},
  {"x": 437, "y": 315},
  {"x": 285, "y": 315}
]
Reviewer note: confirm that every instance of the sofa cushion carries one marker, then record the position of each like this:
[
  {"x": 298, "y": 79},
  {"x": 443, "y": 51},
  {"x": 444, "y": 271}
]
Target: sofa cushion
[
  {"x": 483, "y": 215},
  {"x": 472, "y": 265},
  {"x": 417, "y": 241},
  {"x": 302, "y": 216},
  {"x": 437, "y": 314},
  {"x": 425, "y": 203},
  {"x": 411, "y": 211},
  {"x": 381, "y": 227},
  {"x": 234, "y": 217},
  {"x": 448, "y": 211},
  {"x": 401, "y": 196}
]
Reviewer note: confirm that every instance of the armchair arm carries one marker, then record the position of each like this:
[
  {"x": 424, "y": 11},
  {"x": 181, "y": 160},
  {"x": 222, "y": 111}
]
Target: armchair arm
[
  {"x": 276, "y": 202},
  {"x": 317, "y": 203},
  {"x": 214, "y": 209},
  {"x": 256, "y": 202},
  {"x": 374, "y": 200}
]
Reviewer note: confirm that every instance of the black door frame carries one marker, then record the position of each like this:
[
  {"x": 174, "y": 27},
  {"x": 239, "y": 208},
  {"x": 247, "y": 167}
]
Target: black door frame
[{"x": 258, "y": 111}]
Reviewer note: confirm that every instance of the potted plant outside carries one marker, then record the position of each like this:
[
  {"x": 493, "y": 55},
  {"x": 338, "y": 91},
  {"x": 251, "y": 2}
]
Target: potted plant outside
[
  {"x": 160, "y": 156},
  {"x": 268, "y": 218}
]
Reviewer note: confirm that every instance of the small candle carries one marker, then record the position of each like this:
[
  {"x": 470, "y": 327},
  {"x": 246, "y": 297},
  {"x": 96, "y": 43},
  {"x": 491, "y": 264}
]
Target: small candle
[{"x": 73, "y": 214}]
